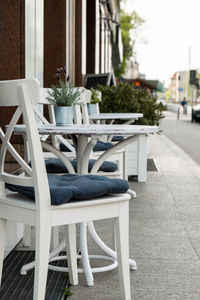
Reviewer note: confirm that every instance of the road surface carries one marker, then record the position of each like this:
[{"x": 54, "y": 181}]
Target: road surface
[{"x": 183, "y": 132}]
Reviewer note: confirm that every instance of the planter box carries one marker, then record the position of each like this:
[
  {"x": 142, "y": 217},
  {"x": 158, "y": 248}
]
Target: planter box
[{"x": 137, "y": 158}]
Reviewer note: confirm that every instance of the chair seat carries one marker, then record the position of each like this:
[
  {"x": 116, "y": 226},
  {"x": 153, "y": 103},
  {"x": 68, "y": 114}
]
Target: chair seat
[
  {"x": 55, "y": 165},
  {"x": 117, "y": 138},
  {"x": 100, "y": 146},
  {"x": 64, "y": 188}
]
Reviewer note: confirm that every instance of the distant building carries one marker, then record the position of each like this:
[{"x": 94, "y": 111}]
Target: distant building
[
  {"x": 132, "y": 69},
  {"x": 179, "y": 86},
  {"x": 150, "y": 85}
]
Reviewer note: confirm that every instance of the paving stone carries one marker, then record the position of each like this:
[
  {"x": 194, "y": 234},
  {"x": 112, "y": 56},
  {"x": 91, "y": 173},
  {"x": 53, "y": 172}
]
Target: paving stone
[
  {"x": 168, "y": 267},
  {"x": 157, "y": 228},
  {"x": 160, "y": 283},
  {"x": 148, "y": 212},
  {"x": 183, "y": 201},
  {"x": 162, "y": 248},
  {"x": 196, "y": 245},
  {"x": 189, "y": 213},
  {"x": 192, "y": 228},
  {"x": 152, "y": 295}
]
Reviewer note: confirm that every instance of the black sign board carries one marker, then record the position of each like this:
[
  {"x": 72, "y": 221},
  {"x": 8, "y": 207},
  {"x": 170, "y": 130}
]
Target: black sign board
[{"x": 92, "y": 80}]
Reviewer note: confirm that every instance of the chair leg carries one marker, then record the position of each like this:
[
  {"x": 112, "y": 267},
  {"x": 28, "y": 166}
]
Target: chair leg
[
  {"x": 122, "y": 244},
  {"x": 43, "y": 236},
  {"x": 125, "y": 172},
  {"x": 2, "y": 244},
  {"x": 70, "y": 238}
]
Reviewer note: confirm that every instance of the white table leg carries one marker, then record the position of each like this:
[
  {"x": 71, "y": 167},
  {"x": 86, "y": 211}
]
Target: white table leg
[
  {"x": 84, "y": 254},
  {"x": 104, "y": 247},
  {"x": 27, "y": 236}
]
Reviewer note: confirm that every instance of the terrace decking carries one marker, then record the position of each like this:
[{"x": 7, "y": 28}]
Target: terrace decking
[{"x": 17, "y": 287}]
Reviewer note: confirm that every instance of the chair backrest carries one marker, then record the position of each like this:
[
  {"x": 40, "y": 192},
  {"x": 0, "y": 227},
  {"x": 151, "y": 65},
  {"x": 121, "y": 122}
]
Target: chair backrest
[
  {"x": 24, "y": 94},
  {"x": 10, "y": 95}
]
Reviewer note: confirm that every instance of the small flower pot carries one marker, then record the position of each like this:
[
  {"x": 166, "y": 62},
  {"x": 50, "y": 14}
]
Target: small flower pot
[
  {"x": 64, "y": 115},
  {"x": 92, "y": 109}
]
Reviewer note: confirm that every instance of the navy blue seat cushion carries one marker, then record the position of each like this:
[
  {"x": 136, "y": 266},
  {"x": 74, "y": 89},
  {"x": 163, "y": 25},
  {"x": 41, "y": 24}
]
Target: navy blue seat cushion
[
  {"x": 117, "y": 138},
  {"x": 100, "y": 146},
  {"x": 76, "y": 187},
  {"x": 55, "y": 165}
]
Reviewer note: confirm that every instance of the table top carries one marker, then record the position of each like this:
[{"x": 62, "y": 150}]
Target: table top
[
  {"x": 91, "y": 129},
  {"x": 115, "y": 116}
]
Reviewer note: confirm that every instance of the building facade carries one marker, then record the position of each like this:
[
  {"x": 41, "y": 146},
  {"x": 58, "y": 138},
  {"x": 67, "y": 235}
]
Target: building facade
[
  {"x": 179, "y": 86},
  {"x": 38, "y": 36}
]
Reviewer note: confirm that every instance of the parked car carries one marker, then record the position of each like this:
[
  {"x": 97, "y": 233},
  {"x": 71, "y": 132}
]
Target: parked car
[{"x": 195, "y": 113}]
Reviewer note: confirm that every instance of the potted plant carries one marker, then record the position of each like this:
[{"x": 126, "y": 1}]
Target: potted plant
[
  {"x": 63, "y": 97},
  {"x": 95, "y": 99},
  {"x": 125, "y": 98}
]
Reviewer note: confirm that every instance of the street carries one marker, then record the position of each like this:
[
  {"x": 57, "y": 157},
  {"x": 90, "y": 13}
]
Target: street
[{"x": 183, "y": 132}]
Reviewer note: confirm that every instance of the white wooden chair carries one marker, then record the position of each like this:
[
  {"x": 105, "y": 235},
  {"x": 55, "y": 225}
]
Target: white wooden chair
[
  {"x": 40, "y": 213},
  {"x": 57, "y": 140}
]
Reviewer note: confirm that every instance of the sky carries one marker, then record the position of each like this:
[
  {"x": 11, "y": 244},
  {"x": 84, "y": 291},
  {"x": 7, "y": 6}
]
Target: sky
[{"x": 171, "y": 28}]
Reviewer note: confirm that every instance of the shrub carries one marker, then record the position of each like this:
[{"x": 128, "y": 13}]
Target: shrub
[
  {"x": 95, "y": 97},
  {"x": 125, "y": 98}
]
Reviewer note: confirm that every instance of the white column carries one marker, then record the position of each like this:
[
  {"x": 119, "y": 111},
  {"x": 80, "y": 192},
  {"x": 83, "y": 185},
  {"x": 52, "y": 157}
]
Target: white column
[
  {"x": 97, "y": 38},
  {"x": 29, "y": 38},
  {"x": 39, "y": 40},
  {"x": 83, "y": 36},
  {"x": 106, "y": 47},
  {"x": 34, "y": 39},
  {"x": 70, "y": 38}
]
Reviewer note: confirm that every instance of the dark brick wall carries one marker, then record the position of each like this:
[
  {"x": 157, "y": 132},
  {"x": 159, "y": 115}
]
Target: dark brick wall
[
  {"x": 90, "y": 49},
  {"x": 12, "y": 39},
  {"x": 78, "y": 45},
  {"x": 54, "y": 39},
  {"x": 12, "y": 48}
]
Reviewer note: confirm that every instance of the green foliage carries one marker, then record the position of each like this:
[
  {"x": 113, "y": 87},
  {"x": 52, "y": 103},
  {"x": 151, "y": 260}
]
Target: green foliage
[
  {"x": 95, "y": 97},
  {"x": 67, "y": 290},
  {"x": 130, "y": 26},
  {"x": 63, "y": 95},
  {"x": 124, "y": 98}
]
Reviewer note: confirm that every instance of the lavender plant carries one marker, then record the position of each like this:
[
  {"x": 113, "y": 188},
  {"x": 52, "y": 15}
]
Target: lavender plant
[{"x": 64, "y": 93}]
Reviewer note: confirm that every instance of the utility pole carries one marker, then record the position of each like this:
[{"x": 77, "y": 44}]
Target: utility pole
[{"x": 189, "y": 63}]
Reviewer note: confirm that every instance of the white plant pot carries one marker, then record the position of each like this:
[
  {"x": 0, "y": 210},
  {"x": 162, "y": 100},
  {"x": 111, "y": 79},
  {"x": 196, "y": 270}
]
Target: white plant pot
[
  {"x": 64, "y": 115},
  {"x": 92, "y": 109}
]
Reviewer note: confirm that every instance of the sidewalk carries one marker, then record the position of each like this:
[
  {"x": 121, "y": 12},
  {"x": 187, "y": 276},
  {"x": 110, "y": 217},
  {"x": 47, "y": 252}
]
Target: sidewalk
[{"x": 164, "y": 233}]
